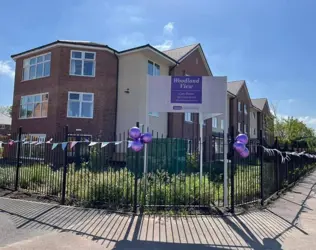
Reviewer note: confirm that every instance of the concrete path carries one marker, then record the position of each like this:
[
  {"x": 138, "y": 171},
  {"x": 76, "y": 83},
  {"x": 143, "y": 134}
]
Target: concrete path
[{"x": 290, "y": 223}]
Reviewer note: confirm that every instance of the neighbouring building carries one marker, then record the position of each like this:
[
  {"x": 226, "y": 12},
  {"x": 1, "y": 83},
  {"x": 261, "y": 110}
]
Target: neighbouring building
[
  {"x": 5, "y": 125},
  {"x": 239, "y": 107},
  {"x": 264, "y": 119}
]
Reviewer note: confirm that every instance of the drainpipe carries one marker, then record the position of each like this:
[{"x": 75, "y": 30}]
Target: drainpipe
[{"x": 117, "y": 83}]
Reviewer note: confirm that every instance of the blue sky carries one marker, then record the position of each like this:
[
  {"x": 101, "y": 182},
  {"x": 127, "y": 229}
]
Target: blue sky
[{"x": 270, "y": 44}]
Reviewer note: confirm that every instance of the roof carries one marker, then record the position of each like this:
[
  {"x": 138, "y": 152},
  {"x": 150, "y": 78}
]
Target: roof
[
  {"x": 234, "y": 86},
  {"x": 65, "y": 42},
  {"x": 148, "y": 46},
  {"x": 5, "y": 120},
  {"x": 178, "y": 53},
  {"x": 181, "y": 53},
  {"x": 259, "y": 103}
]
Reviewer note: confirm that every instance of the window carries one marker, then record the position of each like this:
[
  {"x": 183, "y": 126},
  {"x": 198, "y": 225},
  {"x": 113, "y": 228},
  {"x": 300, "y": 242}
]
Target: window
[
  {"x": 189, "y": 147},
  {"x": 222, "y": 124},
  {"x": 33, "y": 151},
  {"x": 214, "y": 122},
  {"x": 2, "y": 126},
  {"x": 188, "y": 117},
  {"x": 239, "y": 127},
  {"x": 34, "y": 106},
  {"x": 254, "y": 131},
  {"x": 217, "y": 149},
  {"x": 80, "y": 105},
  {"x": 82, "y": 63},
  {"x": 36, "y": 67},
  {"x": 239, "y": 106},
  {"x": 245, "y": 109},
  {"x": 153, "y": 69},
  {"x": 254, "y": 115},
  {"x": 245, "y": 128}
]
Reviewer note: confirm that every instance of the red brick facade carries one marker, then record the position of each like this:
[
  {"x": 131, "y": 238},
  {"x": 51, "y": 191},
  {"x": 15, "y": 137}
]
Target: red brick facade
[{"x": 103, "y": 86}]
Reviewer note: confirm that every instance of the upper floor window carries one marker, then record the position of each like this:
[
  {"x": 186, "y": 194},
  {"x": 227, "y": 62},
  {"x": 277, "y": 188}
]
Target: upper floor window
[
  {"x": 188, "y": 117},
  {"x": 239, "y": 127},
  {"x": 222, "y": 124},
  {"x": 189, "y": 147},
  {"x": 254, "y": 131},
  {"x": 34, "y": 106},
  {"x": 239, "y": 106},
  {"x": 214, "y": 122},
  {"x": 153, "y": 69},
  {"x": 245, "y": 109},
  {"x": 254, "y": 115},
  {"x": 80, "y": 105},
  {"x": 245, "y": 128},
  {"x": 82, "y": 63},
  {"x": 36, "y": 67}
]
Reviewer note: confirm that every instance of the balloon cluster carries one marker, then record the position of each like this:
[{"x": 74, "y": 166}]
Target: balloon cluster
[
  {"x": 139, "y": 139},
  {"x": 240, "y": 145}
]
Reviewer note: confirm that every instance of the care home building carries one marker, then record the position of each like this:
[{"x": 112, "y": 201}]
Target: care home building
[{"x": 95, "y": 89}]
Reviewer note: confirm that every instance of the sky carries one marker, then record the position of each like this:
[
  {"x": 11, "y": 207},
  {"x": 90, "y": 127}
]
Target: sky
[{"x": 268, "y": 43}]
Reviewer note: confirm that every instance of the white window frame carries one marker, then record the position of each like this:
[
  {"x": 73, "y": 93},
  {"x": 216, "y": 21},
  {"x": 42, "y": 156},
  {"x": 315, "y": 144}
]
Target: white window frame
[
  {"x": 154, "y": 68},
  {"x": 30, "y": 137},
  {"x": 26, "y": 96},
  {"x": 153, "y": 114},
  {"x": 239, "y": 107},
  {"x": 80, "y": 107},
  {"x": 254, "y": 115},
  {"x": 26, "y": 64},
  {"x": 239, "y": 127},
  {"x": 222, "y": 124},
  {"x": 83, "y": 60},
  {"x": 188, "y": 117},
  {"x": 2, "y": 126},
  {"x": 254, "y": 131},
  {"x": 245, "y": 128},
  {"x": 214, "y": 122},
  {"x": 245, "y": 109}
]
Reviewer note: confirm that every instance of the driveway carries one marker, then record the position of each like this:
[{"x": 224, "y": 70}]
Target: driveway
[{"x": 290, "y": 223}]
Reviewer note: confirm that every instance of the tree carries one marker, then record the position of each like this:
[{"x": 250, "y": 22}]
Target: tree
[{"x": 6, "y": 110}]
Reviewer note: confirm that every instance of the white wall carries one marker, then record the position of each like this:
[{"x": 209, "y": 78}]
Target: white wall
[{"x": 131, "y": 107}]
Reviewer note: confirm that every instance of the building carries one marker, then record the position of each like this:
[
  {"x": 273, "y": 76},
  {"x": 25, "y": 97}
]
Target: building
[
  {"x": 5, "y": 124},
  {"x": 239, "y": 107},
  {"x": 66, "y": 83},
  {"x": 264, "y": 119}
]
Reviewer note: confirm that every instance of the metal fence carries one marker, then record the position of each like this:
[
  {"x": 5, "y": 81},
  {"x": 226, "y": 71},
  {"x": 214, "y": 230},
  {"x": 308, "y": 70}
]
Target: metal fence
[{"x": 110, "y": 175}]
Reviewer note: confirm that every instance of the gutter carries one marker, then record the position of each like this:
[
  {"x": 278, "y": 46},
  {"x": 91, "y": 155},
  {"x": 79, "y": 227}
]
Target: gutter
[{"x": 117, "y": 83}]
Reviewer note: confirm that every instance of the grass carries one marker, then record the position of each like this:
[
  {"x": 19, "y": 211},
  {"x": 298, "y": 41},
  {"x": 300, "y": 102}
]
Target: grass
[{"x": 115, "y": 187}]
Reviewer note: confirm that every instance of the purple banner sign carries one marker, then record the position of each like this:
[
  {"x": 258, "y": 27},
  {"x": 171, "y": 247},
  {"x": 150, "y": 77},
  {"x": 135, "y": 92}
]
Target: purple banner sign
[{"x": 186, "y": 89}]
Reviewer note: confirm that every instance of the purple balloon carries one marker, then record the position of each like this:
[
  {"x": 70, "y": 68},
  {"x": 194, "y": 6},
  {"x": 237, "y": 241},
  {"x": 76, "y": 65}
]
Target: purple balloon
[
  {"x": 134, "y": 133},
  {"x": 146, "y": 137},
  {"x": 242, "y": 138},
  {"x": 239, "y": 147},
  {"x": 245, "y": 153},
  {"x": 137, "y": 145}
]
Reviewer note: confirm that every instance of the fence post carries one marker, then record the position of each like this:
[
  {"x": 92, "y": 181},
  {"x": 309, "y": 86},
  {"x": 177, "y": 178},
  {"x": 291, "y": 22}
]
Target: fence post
[
  {"x": 63, "y": 191},
  {"x": 18, "y": 160},
  {"x": 232, "y": 174},
  {"x": 261, "y": 167},
  {"x": 136, "y": 177}
]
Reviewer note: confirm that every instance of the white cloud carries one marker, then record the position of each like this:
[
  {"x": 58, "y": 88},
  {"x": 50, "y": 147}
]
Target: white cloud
[
  {"x": 6, "y": 69},
  {"x": 188, "y": 40},
  {"x": 132, "y": 40},
  {"x": 166, "y": 45},
  {"x": 168, "y": 28},
  {"x": 308, "y": 120}
]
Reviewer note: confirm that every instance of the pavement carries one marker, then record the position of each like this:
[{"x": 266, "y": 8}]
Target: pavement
[{"x": 289, "y": 223}]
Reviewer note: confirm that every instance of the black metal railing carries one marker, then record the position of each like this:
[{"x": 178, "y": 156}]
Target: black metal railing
[{"x": 113, "y": 176}]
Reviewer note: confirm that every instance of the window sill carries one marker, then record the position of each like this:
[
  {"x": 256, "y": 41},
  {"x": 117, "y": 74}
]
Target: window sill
[
  {"x": 39, "y": 78},
  {"x": 31, "y": 118},
  {"x": 76, "y": 117},
  {"x": 190, "y": 122},
  {"x": 83, "y": 76}
]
